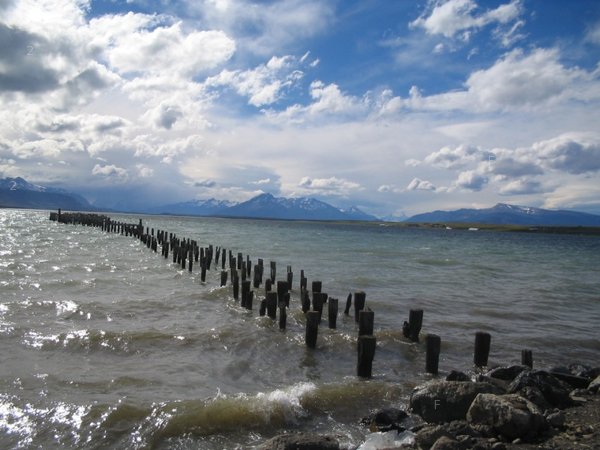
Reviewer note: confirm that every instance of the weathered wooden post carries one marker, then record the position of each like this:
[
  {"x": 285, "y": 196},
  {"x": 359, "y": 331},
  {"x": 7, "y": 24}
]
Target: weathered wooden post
[
  {"x": 412, "y": 328},
  {"x": 305, "y": 300},
  {"x": 319, "y": 299},
  {"x": 316, "y": 286},
  {"x": 482, "y": 348},
  {"x": 272, "y": 305},
  {"x": 433, "y": 344},
  {"x": 290, "y": 277},
  {"x": 223, "y": 259},
  {"x": 268, "y": 285},
  {"x": 527, "y": 358},
  {"x": 312, "y": 329},
  {"x": 236, "y": 284},
  {"x": 332, "y": 311},
  {"x": 248, "y": 266},
  {"x": 282, "y": 288},
  {"x": 366, "y": 320},
  {"x": 282, "y": 316},
  {"x": 348, "y": 304},
  {"x": 263, "y": 307},
  {"x": 273, "y": 271},
  {"x": 245, "y": 292},
  {"x": 303, "y": 280},
  {"x": 239, "y": 260},
  {"x": 359, "y": 303},
  {"x": 224, "y": 277},
  {"x": 257, "y": 276},
  {"x": 366, "y": 352}
]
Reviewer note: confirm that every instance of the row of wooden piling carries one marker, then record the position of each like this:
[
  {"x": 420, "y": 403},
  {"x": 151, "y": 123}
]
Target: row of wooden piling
[{"x": 186, "y": 252}]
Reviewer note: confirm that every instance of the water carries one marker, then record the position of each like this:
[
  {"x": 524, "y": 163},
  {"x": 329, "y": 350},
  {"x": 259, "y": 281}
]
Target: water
[{"x": 105, "y": 344}]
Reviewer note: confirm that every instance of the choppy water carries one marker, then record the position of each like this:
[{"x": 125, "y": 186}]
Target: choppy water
[{"x": 103, "y": 343}]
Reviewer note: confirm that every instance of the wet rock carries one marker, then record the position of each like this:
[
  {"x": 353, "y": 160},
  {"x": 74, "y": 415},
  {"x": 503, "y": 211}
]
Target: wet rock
[
  {"x": 535, "y": 396},
  {"x": 447, "y": 443},
  {"x": 428, "y": 435},
  {"x": 576, "y": 382},
  {"x": 507, "y": 373},
  {"x": 594, "y": 386},
  {"x": 386, "y": 419},
  {"x": 556, "y": 419},
  {"x": 301, "y": 441},
  {"x": 446, "y": 401},
  {"x": 456, "y": 375},
  {"x": 555, "y": 392},
  {"x": 510, "y": 415}
]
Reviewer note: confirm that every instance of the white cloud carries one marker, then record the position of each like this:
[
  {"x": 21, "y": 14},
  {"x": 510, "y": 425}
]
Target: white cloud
[
  {"x": 110, "y": 171},
  {"x": 460, "y": 18},
  {"x": 522, "y": 187},
  {"x": 457, "y": 157},
  {"x": 471, "y": 180},
  {"x": 420, "y": 185},
  {"x": 574, "y": 153},
  {"x": 329, "y": 186},
  {"x": 593, "y": 33},
  {"x": 263, "y": 85},
  {"x": 263, "y": 181}
]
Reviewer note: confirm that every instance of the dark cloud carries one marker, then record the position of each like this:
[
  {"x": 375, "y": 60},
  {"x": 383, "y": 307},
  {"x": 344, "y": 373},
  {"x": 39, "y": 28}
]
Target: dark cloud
[
  {"x": 22, "y": 69},
  {"x": 205, "y": 183},
  {"x": 110, "y": 125},
  {"x": 522, "y": 187},
  {"x": 571, "y": 156},
  {"x": 513, "y": 168},
  {"x": 168, "y": 115}
]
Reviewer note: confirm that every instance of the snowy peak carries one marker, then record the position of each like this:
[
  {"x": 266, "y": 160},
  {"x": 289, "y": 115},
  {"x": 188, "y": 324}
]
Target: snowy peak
[{"x": 19, "y": 184}]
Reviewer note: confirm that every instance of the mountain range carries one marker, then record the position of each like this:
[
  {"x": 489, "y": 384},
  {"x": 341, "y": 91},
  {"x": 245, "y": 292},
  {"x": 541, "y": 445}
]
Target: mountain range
[
  {"x": 19, "y": 193},
  {"x": 504, "y": 214}
]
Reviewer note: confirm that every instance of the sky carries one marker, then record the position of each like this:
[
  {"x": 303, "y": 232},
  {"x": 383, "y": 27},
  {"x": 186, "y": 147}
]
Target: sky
[{"x": 397, "y": 107}]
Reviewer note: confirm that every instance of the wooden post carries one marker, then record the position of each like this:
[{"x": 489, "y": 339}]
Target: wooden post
[
  {"x": 248, "y": 266},
  {"x": 290, "y": 277},
  {"x": 245, "y": 292},
  {"x": 303, "y": 280},
  {"x": 236, "y": 284},
  {"x": 282, "y": 288},
  {"x": 482, "y": 348},
  {"x": 257, "y": 276},
  {"x": 359, "y": 303},
  {"x": 319, "y": 298},
  {"x": 312, "y": 328},
  {"x": 366, "y": 352},
  {"x": 432, "y": 355},
  {"x": 263, "y": 307},
  {"x": 316, "y": 286},
  {"x": 239, "y": 260},
  {"x": 267, "y": 285},
  {"x": 249, "y": 300},
  {"x": 527, "y": 358},
  {"x": 412, "y": 328},
  {"x": 223, "y": 259},
  {"x": 366, "y": 319},
  {"x": 272, "y": 305},
  {"x": 273, "y": 271},
  {"x": 282, "y": 316},
  {"x": 223, "y": 277},
  {"x": 305, "y": 300},
  {"x": 348, "y": 304},
  {"x": 202, "y": 271},
  {"x": 332, "y": 311}
]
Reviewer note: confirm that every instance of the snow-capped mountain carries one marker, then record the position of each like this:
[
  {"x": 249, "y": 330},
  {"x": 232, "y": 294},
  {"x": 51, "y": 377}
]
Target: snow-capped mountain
[
  {"x": 210, "y": 207},
  {"x": 356, "y": 214},
  {"x": 505, "y": 214},
  {"x": 19, "y": 193},
  {"x": 267, "y": 206}
]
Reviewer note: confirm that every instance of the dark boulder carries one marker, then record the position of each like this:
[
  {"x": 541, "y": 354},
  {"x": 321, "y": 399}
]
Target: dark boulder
[
  {"x": 510, "y": 415},
  {"x": 446, "y": 401},
  {"x": 386, "y": 419},
  {"x": 507, "y": 373},
  {"x": 555, "y": 391},
  {"x": 456, "y": 375},
  {"x": 301, "y": 441}
]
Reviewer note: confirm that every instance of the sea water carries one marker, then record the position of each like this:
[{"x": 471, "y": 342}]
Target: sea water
[{"x": 105, "y": 344}]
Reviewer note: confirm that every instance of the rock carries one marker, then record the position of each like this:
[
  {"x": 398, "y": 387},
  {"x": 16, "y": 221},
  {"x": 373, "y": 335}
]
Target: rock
[
  {"x": 576, "y": 382},
  {"x": 447, "y": 400},
  {"x": 557, "y": 419},
  {"x": 507, "y": 373},
  {"x": 594, "y": 386},
  {"x": 301, "y": 441},
  {"x": 447, "y": 443},
  {"x": 555, "y": 392},
  {"x": 386, "y": 419},
  {"x": 456, "y": 375},
  {"x": 499, "y": 446},
  {"x": 510, "y": 415},
  {"x": 428, "y": 435},
  {"x": 535, "y": 396}
]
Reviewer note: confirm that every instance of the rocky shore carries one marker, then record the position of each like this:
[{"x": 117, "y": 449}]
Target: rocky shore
[{"x": 506, "y": 408}]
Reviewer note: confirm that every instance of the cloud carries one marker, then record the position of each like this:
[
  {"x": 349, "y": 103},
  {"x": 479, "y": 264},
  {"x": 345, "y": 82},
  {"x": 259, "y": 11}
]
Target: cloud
[
  {"x": 205, "y": 183},
  {"x": 329, "y": 186},
  {"x": 262, "y": 85},
  {"x": 571, "y": 153},
  {"x": 471, "y": 180},
  {"x": 165, "y": 116},
  {"x": 420, "y": 185},
  {"x": 110, "y": 171},
  {"x": 260, "y": 182},
  {"x": 522, "y": 187},
  {"x": 451, "y": 158},
  {"x": 592, "y": 34},
  {"x": 459, "y": 17}
]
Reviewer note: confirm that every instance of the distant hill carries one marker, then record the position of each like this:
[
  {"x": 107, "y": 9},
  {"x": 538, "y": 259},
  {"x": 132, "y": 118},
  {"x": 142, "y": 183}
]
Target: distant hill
[
  {"x": 504, "y": 214},
  {"x": 210, "y": 207},
  {"x": 19, "y": 193},
  {"x": 266, "y": 206}
]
